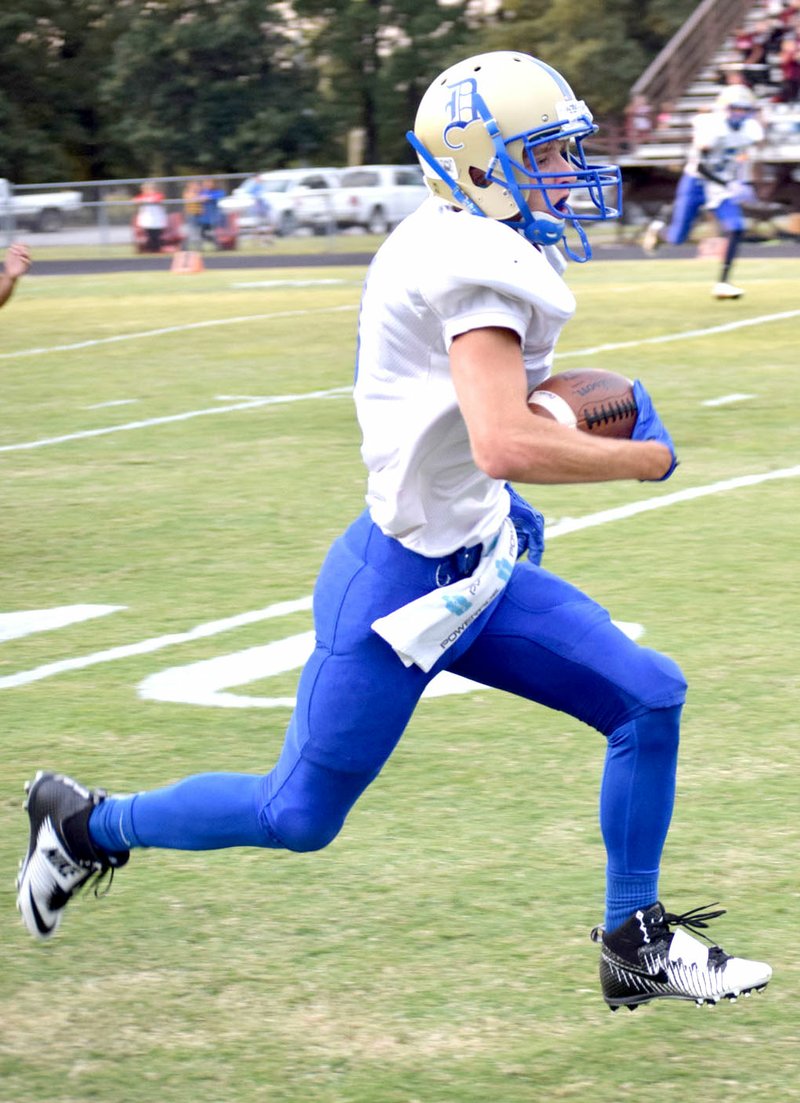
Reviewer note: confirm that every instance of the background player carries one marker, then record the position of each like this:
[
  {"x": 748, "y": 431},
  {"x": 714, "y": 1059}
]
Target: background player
[
  {"x": 460, "y": 315},
  {"x": 715, "y": 179}
]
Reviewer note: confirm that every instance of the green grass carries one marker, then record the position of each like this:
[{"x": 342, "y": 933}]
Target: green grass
[
  {"x": 437, "y": 951},
  {"x": 247, "y": 245}
]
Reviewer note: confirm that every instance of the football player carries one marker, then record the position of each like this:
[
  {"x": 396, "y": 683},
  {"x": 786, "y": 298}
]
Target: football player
[
  {"x": 461, "y": 311},
  {"x": 714, "y": 179}
]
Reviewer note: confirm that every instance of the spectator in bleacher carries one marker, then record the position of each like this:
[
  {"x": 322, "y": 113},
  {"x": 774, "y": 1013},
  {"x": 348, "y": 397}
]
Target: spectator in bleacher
[
  {"x": 16, "y": 264},
  {"x": 789, "y": 61},
  {"x": 755, "y": 59},
  {"x": 664, "y": 116},
  {"x": 638, "y": 121},
  {"x": 743, "y": 42},
  {"x": 714, "y": 179},
  {"x": 790, "y": 13}
]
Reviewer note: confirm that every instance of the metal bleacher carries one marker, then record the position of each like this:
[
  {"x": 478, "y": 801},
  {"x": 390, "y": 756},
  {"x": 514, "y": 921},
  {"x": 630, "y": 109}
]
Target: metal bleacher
[{"x": 686, "y": 77}]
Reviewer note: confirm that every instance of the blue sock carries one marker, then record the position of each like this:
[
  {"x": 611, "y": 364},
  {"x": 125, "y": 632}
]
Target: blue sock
[
  {"x": 204, "y": 812},
  {"x": 625, "y": 893},
  {"x": 636, "y": 798}
]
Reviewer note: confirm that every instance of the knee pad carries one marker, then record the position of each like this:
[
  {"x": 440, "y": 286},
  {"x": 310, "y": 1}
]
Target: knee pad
[
  {"x": 633, "y": 681},
  {"x": 303, "y": 830},
  {"x": 305, "y": 807}
]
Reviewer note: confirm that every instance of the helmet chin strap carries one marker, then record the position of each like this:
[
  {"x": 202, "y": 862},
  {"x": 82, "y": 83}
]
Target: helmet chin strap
[{"x": 546, "y": 229}]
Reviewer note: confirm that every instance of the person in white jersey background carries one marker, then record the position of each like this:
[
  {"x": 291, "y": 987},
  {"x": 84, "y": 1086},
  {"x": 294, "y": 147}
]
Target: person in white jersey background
[
  {"x": 715, "y": 178},
  {"x": 462, "y": 308}
]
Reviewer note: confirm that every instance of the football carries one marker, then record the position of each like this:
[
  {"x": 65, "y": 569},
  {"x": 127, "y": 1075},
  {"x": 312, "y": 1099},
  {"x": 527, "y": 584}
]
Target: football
[{"x": 596, "y": 401}]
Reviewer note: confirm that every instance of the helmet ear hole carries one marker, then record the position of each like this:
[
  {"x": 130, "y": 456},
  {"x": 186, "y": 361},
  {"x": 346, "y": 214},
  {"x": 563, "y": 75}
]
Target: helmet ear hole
[{"x": 478, "y": 177}]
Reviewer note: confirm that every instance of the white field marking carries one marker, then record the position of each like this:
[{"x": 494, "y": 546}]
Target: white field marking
[
  {"x": 294, "y": 283},
  {"x": 13, "y": 626},
  {"x": 207, "y": 324},
  {"x": 114, "y": 402},
  {"x": 342, "y": 390},
  {"x": 685, "y": 335},
  {"x": 210, "y": 322},
  {"x": 205, "y": 682},
  {"x": 146, "y": 647},
  {"x": 620, "y": 513},
  {"x": 250, "y": 404},
  {"x": 725, "y": 399},
  {"x": 212, "y": 628}
]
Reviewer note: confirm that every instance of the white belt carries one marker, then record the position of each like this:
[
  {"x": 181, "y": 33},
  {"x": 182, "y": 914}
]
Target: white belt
[{"x": 422, "y": 631}]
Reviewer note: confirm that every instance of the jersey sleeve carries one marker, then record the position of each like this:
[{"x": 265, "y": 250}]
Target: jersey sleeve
[{"x": 493, "y": 277}]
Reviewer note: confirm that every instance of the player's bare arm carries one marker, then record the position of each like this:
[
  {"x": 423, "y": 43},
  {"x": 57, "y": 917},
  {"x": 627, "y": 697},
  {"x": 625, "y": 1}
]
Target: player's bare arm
[
  {"x": 16, "y": 264},
  {"x": 508, "y": 442}
]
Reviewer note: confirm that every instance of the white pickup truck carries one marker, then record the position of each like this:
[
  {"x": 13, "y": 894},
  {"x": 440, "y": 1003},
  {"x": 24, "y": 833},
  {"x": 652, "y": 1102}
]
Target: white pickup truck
[
  {"x": 374, "y": 197},
  {"x": 34, "y": 210}
]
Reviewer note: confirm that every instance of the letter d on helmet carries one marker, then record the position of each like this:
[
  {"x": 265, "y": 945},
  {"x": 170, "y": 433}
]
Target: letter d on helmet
[{"x": 476, "y": 134}]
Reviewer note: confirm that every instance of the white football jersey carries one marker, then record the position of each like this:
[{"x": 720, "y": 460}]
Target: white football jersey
[
  {"x": 441, "y": 273},
  {"x": 723, "y": 149}
]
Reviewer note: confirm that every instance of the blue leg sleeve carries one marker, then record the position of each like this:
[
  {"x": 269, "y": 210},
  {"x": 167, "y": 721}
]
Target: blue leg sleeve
[
  {"x": 549, "y": 642},
  {"x": 637, "y": 794},
  {"x": 203, "y": 812}
]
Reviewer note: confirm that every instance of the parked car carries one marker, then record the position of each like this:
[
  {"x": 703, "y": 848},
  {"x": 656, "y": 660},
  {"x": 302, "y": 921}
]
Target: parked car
[
  {"x": 268, "y": 201},
  {"x": 376, "y": 197},
  {"x": 34, "y": 210}
]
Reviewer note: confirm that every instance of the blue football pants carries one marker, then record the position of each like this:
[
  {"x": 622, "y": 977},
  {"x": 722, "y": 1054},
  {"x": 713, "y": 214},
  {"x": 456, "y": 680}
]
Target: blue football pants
[
  {"x": 690, "y": 199},
  {"x": 543, "y": 640}
]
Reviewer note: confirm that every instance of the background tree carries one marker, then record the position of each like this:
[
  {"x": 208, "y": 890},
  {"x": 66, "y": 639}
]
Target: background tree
[
  {"x": 375, "y": 58},
  {"x": 600, "y": 46},
  {"x": 93, "y": 89},
  {"x": 202, "y": 85},
  {"x": 51, "y": 54}
]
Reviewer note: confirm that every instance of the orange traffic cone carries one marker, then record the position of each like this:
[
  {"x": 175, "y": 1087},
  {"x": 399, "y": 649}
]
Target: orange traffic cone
[{"x": 185, "y": 262}]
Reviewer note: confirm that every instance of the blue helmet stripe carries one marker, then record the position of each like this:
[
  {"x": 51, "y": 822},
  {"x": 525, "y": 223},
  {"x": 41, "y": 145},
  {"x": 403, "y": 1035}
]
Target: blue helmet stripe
[{"x": 562, "y": 84}]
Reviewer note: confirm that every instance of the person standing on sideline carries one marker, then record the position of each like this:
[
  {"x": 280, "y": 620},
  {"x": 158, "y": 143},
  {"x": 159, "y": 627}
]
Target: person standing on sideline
[
  {"x": 211, "y": 216},
  {"x": 16, "y": 264},
  {"x": 192, "y": 210},
  {"x": 151, "y": 215},
  {"x": 713, "y": 179},
  {"x": 461, "y": 311}
]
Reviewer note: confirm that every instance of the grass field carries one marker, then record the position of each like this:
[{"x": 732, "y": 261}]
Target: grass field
[{"x": 438, "y": 951}]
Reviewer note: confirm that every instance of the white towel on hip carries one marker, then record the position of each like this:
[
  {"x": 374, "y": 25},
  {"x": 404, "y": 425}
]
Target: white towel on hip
[{"x": 422, "y": 630}]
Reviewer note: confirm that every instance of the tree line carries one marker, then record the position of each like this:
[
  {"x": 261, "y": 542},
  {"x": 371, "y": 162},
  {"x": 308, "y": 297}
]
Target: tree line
[{"x": 102, "y": 89}]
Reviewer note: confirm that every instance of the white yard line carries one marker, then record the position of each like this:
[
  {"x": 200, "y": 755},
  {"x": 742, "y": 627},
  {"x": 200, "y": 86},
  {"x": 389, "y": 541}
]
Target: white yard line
[
  {"x": 115, "y": 402},
  {"x": 684, "y": 335},
  {"x": 207, "y": 324},
  {"x": 268, "y": 401},
  {"x": 213, "y": 628},
  {"x": 146, "y": 647},
  {"x": 726, "y": 399},
  {"x": 251, "y": 404}
]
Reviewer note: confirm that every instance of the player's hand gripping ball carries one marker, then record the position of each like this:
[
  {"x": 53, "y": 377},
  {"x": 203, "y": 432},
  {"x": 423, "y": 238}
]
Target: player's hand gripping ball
[{"x": 590, "y": 399}]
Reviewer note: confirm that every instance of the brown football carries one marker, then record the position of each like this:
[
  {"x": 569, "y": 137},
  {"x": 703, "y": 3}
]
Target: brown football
[{"x": 596, "y": 401}]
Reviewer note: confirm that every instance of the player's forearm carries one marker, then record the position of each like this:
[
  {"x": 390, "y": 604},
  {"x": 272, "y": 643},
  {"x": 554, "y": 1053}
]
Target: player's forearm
[{"x": 552, "y": 453}]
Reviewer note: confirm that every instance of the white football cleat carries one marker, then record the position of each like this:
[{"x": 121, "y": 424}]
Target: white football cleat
[
  {"x": 726, "y": 291},
  {"x": 643, "y": 960},
  {"x": 652, "y": 236}
]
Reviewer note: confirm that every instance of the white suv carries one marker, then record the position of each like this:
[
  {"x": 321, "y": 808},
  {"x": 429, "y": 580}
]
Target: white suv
[{"x": 269, "y": 201}]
